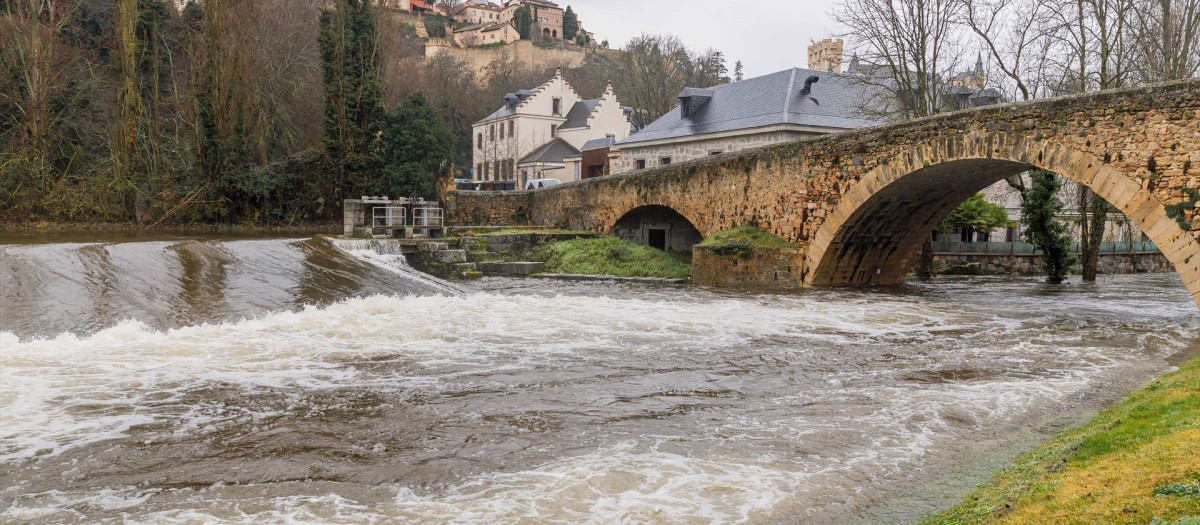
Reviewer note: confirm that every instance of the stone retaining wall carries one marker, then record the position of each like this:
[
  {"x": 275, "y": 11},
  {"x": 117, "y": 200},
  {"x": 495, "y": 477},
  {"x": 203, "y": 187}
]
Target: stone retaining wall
[
  {"x": 755, "y": 268},
  {"x": 1110, "y": 264}
]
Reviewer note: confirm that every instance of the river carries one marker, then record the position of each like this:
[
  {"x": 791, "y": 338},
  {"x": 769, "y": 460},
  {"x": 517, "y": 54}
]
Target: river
[{"x": 168, "y": 379}]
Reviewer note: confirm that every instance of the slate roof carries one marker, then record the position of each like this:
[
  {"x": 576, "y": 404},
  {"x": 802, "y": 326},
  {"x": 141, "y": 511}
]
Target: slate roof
[
  {"x": 577, "y": 117},
  {"x": 606, "y": 142},
  {"x": 554, "y": 151},
  {"x": 768, "y": 101},
  {"x": 485, "y": 27},
  {"x": 509, "y": 110}
]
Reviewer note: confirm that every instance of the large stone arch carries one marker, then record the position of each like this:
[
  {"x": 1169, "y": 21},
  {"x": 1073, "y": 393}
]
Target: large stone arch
[{"x": 879, "y": 224}]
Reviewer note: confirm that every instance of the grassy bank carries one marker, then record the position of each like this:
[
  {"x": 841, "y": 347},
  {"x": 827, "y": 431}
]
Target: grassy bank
[
  {"x": 1137, "y": 462},
  {"x": 609, "y": 255},
  {"x": 744, "y": 237}
]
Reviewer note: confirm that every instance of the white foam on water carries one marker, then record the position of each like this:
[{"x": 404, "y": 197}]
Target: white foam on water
[
  {"x": 65, "y": 392},
  {"x": 388, "y": 256}
]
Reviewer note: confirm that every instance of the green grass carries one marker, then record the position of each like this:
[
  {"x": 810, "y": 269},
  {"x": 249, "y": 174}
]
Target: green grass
[
  {"x": 753, "y": 236},
  {"x": 609, "y": 255},
  {"x": 1137, "y": 462}
]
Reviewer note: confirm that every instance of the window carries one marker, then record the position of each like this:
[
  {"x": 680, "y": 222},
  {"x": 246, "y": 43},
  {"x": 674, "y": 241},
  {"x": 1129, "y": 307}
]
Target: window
[
  {"x": 501, "y": 131},
  {"x": 492, "y": 132},
  {"x": 479, "y": 171},
  {"x": 511, "y": 127},
  {"x": 553, "y": 130},
  {"x": 663, "y": 161},
  {"x": 499, "y": 174},
  {"x": 557, "y": 107},
  {"x": 480, "y": 141},
  {"x": 639, "y": 164}
]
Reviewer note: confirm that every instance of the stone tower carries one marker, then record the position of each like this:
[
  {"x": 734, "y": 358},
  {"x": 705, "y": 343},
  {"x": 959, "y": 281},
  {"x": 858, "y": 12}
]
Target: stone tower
[{"x": 826, "y": 55}]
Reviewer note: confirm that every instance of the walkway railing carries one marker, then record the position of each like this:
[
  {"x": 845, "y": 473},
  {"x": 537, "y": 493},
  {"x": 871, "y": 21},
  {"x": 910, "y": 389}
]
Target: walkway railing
[
  {"x": 388, "y": 217},
  {"x": 427, "y": 218},
  {"x": 1021, "y": 248}
]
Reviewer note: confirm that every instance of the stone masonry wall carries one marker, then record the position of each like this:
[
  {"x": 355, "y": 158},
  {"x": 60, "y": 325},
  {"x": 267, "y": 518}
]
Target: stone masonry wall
[
  {"x": 698, "y": 149},
  {"x": 487, "y": 208},
  {"x": 757, "y": 268}
]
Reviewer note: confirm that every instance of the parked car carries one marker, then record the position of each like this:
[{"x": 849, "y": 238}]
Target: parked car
[{"x": 533, "y": 184}]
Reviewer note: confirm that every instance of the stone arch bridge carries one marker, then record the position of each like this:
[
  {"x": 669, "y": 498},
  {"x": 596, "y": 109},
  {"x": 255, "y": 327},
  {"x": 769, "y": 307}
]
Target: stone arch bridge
[{"x": 860, "y": 204}]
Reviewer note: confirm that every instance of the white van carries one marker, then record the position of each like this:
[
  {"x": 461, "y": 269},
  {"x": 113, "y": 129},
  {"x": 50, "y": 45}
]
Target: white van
[{"x": 533, "y": 184}]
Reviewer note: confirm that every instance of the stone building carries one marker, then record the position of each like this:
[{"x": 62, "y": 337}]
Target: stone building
[
  {"x": 478, "y": 13},
  {"x": 483, "y": 34},
  {"x": 826, "y": 55},
  {"x": 754, "y": 112},
  {"x": 547, "y": 18},
  {"x": 536, "y": 129}
]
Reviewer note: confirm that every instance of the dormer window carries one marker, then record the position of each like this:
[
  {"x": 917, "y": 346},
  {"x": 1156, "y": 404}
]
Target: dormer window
[{"x": 691, "y": 100}]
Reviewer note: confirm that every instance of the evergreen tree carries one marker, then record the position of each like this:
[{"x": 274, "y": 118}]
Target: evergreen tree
[
  {"x": 350, "y": 67},
  {"x": 570, "y": 24},
  {"x": 415, "y": 148},
  {"x": 737, "y": 72},
  {"x": 1039, "y": 209},
  {"x": 523, "y": 21}
]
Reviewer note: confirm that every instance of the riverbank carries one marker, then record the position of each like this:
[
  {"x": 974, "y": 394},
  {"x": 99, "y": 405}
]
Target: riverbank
[
  {"x": 73, "y": 227},
  {"x": 1135, "y": 462}
]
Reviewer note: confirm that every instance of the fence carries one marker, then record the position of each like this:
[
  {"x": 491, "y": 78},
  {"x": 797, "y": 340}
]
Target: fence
[{"x": 1021, "y": 248}]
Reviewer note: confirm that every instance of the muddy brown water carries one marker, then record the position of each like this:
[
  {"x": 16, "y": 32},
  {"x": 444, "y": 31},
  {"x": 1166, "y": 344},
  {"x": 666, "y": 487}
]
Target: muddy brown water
[{"x": 170, "y": 379}]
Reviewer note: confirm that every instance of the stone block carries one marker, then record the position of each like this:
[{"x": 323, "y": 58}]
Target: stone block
[
  {"x": 525, "y": 268},
  {"x": 450, "y": 256}
]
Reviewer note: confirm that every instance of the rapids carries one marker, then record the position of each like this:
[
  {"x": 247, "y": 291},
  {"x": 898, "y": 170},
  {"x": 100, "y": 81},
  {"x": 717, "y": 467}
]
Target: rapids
[{"x": 233, "y": 380}]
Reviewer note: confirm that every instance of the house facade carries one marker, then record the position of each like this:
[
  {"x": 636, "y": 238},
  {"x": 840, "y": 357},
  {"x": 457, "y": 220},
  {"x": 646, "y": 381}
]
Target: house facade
[
  {"x": 536, "y": 129},
  {"x": 752, "y": 113},
  {"x": 478, "y": 13},
  {"x": 483, "y": 34}
]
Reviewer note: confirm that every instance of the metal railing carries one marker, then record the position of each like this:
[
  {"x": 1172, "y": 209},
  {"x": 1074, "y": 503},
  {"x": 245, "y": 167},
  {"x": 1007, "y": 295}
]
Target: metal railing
[
  {"x": 1021, "y": 248},
  {"x": 388, "y": 217},
  {"x": 427, "y": 218}
]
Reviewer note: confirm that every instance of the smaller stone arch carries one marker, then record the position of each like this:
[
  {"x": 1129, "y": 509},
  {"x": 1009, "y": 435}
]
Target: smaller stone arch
[
  {"x": 554, "y": 33},
  {"x": 659, "y": 227},
  {"x": 546, "y": 32}
]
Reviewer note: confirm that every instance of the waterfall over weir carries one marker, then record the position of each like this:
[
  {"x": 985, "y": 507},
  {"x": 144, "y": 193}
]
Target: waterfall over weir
[{"x": 168, "y": 282}]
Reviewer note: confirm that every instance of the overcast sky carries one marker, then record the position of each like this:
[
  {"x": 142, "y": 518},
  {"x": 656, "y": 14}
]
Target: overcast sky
[{"x": 766, "y": 35}]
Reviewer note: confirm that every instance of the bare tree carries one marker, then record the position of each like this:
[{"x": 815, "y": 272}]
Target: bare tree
[
  {"x": 1015, "y": 35},
  {"x": 909, "y": 46},
  {"x": 1168, "y": 40},
  {"x": 651, "y": 73},
  {"x": 452, "y": 8}
]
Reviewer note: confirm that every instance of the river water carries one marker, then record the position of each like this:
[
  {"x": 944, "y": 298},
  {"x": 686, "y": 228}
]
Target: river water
[{"x": 264, "y": 380}]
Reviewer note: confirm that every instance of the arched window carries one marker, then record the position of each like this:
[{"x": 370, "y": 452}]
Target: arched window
[{"x": 554, "y": 33}]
